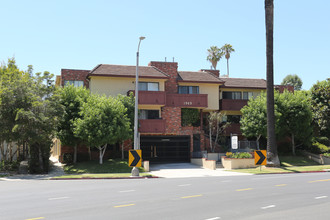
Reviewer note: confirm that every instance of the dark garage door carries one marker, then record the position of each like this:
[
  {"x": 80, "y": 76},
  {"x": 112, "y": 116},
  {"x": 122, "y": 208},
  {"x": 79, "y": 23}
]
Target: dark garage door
[{"x": 165, "y": 148}]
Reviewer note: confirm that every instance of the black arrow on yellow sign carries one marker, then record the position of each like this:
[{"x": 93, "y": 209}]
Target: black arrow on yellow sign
[
  {"x": 134, "y": 159},
  {"x": 260, "y": 157}
]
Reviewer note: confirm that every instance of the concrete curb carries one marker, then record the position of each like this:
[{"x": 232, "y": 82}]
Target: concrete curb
[
  {"x": 320, "y": 171},
  {"x": 104, "y": 178}
]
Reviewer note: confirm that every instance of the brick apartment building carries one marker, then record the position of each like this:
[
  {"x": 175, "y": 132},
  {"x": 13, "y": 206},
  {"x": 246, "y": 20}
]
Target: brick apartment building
[{"x": 163, "y": 93}]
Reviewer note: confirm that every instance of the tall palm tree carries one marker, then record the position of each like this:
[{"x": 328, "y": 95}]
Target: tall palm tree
[
  {"x": 214, "y": 56},
  {"x": 227, "y": 49},
  {"x": 272, "y": 157}
]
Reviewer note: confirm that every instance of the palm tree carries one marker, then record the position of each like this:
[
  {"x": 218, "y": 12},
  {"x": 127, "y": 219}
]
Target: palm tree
[
  {"x": 214, "y": 56},
  {"x": 272, "y": 157},
  {"x": 227, "y": 49}
]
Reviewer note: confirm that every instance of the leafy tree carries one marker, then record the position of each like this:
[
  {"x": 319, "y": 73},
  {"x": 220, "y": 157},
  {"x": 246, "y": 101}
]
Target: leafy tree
[
  {"x": 72, "y": 98},
  {"x": 320, "y": 101},
  {"x": 254, "y": 120},
  {"x": 227, "y": 49},
  {"x": 272, "y": 157},
  {"x": 296, "y": 117},
  {"x": 214, "y": 55},
  {"x": 102, "y": 122},
  {"x": 129, "y": 103},
  {"x": 189, "y": 116},
  {"x": 216, "y": 128},
  {"x": 254, "y": 117},
  {"x": 29, "y": 112},
  {"x": 294, "y": 81}
]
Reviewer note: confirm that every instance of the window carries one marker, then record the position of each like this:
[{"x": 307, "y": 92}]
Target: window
[
  {"x": 188, "y": 90},
  {"x": 231, "y": 95},
  {"x": 148, "y": 114},
  {"x": 76, "y": 83},
  {"x": 148, "y": 86},
  {"x": 247, "y": 95},
  {"x": 232, "y": 118}
]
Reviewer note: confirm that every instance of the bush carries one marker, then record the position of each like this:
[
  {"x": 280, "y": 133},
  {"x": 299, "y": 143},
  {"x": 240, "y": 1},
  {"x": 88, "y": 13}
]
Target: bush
[
  {"x": 238, "y": 155},
  {"x": 67, "y": 158},
  {"x": 323, "y": 140},
  {"x": 326, "y": 154},
  {"x": 319, "y": 148},
  {"x": 9, "y": 166}
]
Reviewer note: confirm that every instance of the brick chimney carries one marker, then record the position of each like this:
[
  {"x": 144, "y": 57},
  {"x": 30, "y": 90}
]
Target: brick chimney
[
  {"x": 171, "y": 69},
  {"x": 214, "y": 72}
]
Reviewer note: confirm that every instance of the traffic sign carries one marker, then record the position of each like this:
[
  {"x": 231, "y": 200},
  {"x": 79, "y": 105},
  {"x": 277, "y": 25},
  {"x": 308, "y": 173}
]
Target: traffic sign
[
  {"x": 135, "y": 158},
  {"x": 260, "y": 157}
]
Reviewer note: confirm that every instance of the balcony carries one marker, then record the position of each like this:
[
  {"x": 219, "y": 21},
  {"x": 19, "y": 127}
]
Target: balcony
[
  {"x": 187, "y": 100},
  {"x": 151, "y": 97},
  {"x": 233, "y": 128},
  {"x": 232, "y": 104},
  {"x": 152, "y": 126}
]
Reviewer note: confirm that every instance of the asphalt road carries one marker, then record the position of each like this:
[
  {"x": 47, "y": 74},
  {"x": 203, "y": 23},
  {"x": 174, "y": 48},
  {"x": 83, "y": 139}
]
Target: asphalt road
[{"x": 286, "y": 196}]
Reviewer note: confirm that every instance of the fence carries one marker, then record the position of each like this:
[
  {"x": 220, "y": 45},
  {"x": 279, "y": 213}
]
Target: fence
[{"x": 246, "y": 146}]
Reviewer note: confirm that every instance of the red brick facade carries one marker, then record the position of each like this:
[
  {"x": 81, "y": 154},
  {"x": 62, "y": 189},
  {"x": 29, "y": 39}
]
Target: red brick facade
[
  {"x": 171, "y": 69},
  {"x": 77, "y": 75}
]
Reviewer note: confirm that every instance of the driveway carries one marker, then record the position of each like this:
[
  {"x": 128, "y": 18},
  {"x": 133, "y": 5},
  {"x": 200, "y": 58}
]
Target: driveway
[{"x": 183, "y": 170}]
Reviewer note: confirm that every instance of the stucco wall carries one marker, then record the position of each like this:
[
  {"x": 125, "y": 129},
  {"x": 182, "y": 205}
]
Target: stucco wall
[{"x": 112, "y": 86}]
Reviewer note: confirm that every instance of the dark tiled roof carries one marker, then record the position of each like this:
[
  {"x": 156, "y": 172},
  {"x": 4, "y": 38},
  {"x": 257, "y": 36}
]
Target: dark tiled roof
[
  {"x": 244, "y": 83},
  {"x": 127, "y": 71},
  {"x": 198, "y": 77}
]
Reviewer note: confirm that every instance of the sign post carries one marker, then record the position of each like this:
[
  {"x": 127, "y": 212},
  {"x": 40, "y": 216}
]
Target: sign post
[
  {"x": 234, "y": 142},
  {"x": 260, "y": 158}
]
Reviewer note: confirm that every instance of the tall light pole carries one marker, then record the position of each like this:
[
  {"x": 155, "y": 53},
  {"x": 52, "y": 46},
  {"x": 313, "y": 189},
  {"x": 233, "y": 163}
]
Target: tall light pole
[{"x": 135, "y": 170}]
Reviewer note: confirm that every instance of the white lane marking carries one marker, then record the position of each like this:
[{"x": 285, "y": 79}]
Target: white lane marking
[
  {"x": 185, "y": 185},
  {"x": 213, "y": 218},
  {"x": 59, "y": 198},
  {"x": 126, "y": 191},
  {"x": 321, "y": 197},
  {"x": 268, "y": 207},
  {"x": 226, "y": 181}
]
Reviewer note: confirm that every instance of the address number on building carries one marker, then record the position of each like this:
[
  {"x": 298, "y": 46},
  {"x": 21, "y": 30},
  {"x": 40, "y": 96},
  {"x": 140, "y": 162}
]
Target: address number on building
[{"x": 187, "y": 103}]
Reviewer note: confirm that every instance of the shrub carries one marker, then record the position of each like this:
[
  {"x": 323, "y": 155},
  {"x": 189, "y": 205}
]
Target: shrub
[
  {"x": 238, "y": 155},
  {"x": 68, "y": 158},
  {"x": 319, "y": 148},
  {"x": 326, "y": 154},
  {"x": 9, "y": 166}
]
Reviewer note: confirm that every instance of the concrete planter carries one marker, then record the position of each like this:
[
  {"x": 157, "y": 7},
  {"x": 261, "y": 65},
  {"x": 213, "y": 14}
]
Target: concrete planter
[
  {"x": 205, "y": 163},
  {"x": 235, "y": 163}
]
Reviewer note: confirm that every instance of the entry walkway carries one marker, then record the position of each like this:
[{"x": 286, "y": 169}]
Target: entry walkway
[{"x": 184, "y": 170}]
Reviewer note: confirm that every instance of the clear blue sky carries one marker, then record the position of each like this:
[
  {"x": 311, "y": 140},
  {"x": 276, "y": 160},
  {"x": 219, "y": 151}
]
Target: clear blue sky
[{"x": 57, "y": 34}]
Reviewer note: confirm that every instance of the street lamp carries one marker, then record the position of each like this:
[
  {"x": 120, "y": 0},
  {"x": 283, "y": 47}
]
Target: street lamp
[{"x": 135, "y": 170}]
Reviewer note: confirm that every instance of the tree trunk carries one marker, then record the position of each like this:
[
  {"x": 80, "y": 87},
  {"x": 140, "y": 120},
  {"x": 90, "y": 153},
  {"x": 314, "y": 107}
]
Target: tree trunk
[
  {"x": 122, "y": 150},
  {"x": 258, "y": 145},
  {"x": 75, "y": 153},
  {"x": 100, "y": 156},
  {"x": 89, "y": 153},
  {"x": 210, "y": 138},
  {"x": 228, "y": 67},
  {"x": 41, "y": 162},
  {"x": 272, "y": 157},
  {"x": 293, "y": 146}
]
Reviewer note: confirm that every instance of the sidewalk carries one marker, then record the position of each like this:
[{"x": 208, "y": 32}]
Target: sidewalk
[
  {"x": 56, "y": 169},
  {"x": 184, "y": 170}
]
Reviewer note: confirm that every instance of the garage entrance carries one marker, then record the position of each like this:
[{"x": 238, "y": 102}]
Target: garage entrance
[{"x": 165, "y": 148}]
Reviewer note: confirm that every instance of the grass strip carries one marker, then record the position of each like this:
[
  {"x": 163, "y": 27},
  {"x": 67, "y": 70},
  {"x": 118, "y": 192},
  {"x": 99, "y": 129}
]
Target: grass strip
[{"x": 291, "y": 169}]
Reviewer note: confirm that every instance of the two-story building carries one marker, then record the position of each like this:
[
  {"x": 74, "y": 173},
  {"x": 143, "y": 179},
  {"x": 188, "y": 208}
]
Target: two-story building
[{"x": 163, "y": 93}]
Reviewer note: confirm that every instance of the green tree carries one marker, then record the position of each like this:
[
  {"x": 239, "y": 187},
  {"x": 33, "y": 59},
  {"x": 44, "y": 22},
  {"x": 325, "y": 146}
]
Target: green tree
[
  {"x": 254, "y": 118},
  {"x": 296, "y": 117},
  {"x": 214, "y": 55},
  {"x": 320, "y": 101},
  {"x": 293, "y": 80},
  {"x": 103, "y": 121},
  {"x": 72, "y": 98},
  {"x": 29, "y": 112},
  {"x": 272, "y": 157},
  {"x": 227, "y": 49},
  {"x": 129, "y": 103}
]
